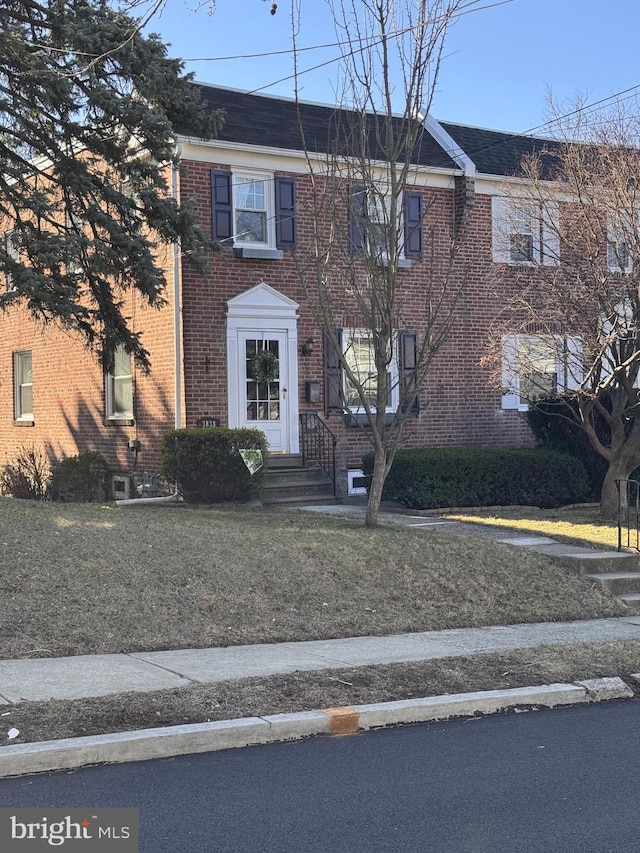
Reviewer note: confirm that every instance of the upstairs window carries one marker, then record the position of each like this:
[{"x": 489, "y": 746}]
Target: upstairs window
[
  {"x": 254, "y": 212},
  {"x": 370, "y": 223},
  {"x": 251, "y": 210},
  {"x": 23, "y": 386},
  {"x": 119, "y": 387},
  {"x": 525, "y": 233},
  {"x": 13, "y": 254},
  {"x": 619, "y": 241}
]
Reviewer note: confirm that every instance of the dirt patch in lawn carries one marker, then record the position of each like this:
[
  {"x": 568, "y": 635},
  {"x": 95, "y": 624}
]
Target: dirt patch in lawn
[
  {"x": 82, "y": 579},
  {"x": 305, "y": 691}
]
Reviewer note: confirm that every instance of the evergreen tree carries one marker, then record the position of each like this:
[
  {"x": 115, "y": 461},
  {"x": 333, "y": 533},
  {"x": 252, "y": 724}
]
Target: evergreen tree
[{"x": 87, "y": 110}]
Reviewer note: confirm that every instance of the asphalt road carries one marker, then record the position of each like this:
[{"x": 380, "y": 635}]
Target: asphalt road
[{"x": 564, "y": 780}]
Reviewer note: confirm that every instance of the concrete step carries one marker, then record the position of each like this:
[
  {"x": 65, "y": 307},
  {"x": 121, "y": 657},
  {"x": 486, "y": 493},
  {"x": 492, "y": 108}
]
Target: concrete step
[
  {"x": 632, "y": 600},
  {"x": 301, "y": 500},
  {"x": 276, "y": 476},
  {"x": 285, "y": 460},
  {"x": 586, "y": 561},
  {"x": 616, "y": 583},
  {"x": 297, "y": 485}
]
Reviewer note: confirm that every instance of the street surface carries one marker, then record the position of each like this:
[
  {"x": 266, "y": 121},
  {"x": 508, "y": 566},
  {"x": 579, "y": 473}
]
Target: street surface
[{"x": 566, "y": 780}]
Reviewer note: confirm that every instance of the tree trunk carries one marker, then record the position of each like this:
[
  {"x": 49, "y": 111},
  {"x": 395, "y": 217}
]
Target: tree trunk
[
  {"x": 375, "y": 490},
  {"x": 619, "y": 469}
]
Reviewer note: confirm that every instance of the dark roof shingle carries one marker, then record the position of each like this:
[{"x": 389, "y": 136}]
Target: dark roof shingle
[
  {"x": 274, "y": 123},
  {"x": 495, "y": 152}
]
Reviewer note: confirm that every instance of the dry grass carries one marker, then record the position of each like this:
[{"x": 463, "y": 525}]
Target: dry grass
[
  {"x": 582, "y": 525},
  {"x": 80, "y": 579},
  {"x": 304, "y": 691}
]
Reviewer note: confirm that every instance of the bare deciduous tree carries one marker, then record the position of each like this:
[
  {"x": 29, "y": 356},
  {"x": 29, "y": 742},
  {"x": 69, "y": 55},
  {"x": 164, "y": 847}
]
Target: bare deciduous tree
[
  {"x": 572, "y": 326},
  {"x": 369, "y": 216}
]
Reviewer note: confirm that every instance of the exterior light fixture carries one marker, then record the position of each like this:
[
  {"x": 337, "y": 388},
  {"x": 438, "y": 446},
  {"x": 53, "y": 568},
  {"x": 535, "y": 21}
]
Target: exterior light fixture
[{"x": 308, "y": 346}]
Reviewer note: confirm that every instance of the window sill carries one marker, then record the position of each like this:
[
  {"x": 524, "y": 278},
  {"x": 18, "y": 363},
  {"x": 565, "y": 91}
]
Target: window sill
[
  {"x": 403, "y": 263},
  {"x": 359, "y": 419},
  {"x": 24, "y": 422},
  {"x": 112, "y": 422},
  {"x": 265, "y": 254}
]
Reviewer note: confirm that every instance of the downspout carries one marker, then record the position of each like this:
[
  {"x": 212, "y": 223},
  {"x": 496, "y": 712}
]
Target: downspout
[
  {"x": 177, "y": 307},
  {"x": 177, "y": 344}
]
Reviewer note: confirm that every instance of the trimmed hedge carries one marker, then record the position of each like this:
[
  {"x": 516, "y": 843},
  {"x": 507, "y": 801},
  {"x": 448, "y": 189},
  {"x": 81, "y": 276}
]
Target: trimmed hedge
[
  {"x": 207, "y": 466},
  {"x": 451, "y": 476}
]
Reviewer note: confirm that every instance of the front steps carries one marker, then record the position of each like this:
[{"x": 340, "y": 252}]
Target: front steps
[
  {"x": 616, "y": 572},
  {"x": 289, "y": 482}
]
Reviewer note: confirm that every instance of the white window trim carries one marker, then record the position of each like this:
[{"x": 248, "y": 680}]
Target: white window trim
[
  {"x": 111, "y": 414},
  {"x": 18, "y": 359},
  {"x": 567, "y": 363},
  {"x": 13, "y": 252},
  {"x": 545, "y": 218},
  {"x": 268, "y": 179},
  {"x": 616, "y": 236},
  {"x": 378, "y": 193},
  {"x": 347, "y": 337}
]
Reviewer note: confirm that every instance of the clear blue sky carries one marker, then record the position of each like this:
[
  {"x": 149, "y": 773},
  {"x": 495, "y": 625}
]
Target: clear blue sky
[{"x": 498, "y": 63}]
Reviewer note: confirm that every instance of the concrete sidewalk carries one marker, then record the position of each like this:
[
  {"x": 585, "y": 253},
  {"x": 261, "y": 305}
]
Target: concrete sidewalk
[{"x": 99, "y": 675}]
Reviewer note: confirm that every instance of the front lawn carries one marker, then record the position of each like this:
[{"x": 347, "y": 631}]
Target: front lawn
[{"x": 82, "y": 579}]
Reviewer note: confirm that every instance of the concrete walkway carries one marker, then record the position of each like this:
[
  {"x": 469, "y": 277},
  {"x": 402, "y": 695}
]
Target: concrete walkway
[{"x": 99, "y": 675}]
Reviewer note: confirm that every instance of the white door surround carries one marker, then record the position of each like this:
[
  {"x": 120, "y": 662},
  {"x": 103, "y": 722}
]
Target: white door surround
[{"x": 258, "y": 313}]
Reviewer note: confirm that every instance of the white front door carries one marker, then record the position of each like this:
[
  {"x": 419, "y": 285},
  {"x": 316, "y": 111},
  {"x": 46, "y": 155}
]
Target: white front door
[
  {"x": 263, "y": 385},
  {"x": 263, "y": 319}
]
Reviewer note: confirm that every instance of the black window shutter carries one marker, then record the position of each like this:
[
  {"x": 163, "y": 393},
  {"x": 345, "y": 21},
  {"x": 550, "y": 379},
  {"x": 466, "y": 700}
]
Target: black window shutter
[
  {"x": 221, "y": 207},
  {"x": 408, "y": 364},
  {"x": 285, "y": 213},
  {"x": 333, "y": 392},
  {"x": 413, "y": 225},
  {"x": 356, "y": 219}
]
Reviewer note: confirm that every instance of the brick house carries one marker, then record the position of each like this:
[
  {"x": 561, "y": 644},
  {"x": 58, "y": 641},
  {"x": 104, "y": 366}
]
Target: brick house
[{"x": 250, "y": 186}]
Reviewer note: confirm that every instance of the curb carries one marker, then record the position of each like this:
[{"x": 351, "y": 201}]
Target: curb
[{"x": 166, "y": 742}]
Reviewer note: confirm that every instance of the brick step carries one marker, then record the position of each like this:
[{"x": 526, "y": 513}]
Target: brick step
[{"x": 617, "y": 583}]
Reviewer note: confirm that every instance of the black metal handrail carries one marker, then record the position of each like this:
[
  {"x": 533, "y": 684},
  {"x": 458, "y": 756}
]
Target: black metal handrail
[
  {"x": 628, "y": 513},
  {"x": 318, "y": 444}
]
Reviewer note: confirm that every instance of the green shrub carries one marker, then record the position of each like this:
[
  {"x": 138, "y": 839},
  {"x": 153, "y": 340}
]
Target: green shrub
[
  {"x": 80, "y": 479},
  {"x": 27, "y": 476},
  {"x": 440, "y": 477},
  {"x": 207, "y": 465}
]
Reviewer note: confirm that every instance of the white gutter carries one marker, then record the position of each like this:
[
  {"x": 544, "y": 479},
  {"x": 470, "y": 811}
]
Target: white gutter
[{"x": 177, "y": 307}]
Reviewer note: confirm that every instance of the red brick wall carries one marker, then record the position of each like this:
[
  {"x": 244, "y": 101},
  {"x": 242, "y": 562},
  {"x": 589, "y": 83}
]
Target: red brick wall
[
  {"x": 456, "y": 407},
  {"x": 68, "y": 390}
]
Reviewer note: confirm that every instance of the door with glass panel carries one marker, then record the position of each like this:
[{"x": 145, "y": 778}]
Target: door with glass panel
[{"x": 263, "y": 391}]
